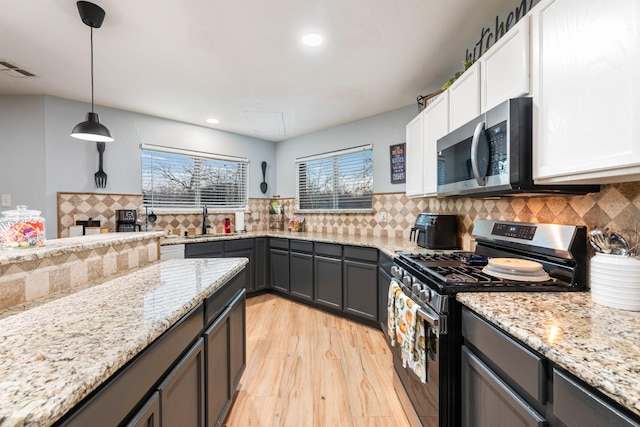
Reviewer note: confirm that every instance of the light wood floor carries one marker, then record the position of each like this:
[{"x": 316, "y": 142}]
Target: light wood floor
[{"x": 306, "y": 367}]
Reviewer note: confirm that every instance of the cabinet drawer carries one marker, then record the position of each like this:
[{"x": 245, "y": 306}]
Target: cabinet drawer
[
  {"x": 279, "y": 243},
  {"x": 301, "y": 246},
  {"x": 363, "y": 254},
  {"x": 524, "y": 367},
  {"x": 237, "y": 245},
  {"x": 576, "y": 406},
  {"x": 217, "y": 301},
  {"x": 193, "y": 250},
  {"x": 329, "y": 249}
]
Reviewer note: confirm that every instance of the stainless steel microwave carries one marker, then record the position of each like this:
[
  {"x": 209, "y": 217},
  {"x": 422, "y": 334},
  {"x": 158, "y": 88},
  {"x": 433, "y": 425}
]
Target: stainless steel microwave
[{"x": 491, "y": 156}]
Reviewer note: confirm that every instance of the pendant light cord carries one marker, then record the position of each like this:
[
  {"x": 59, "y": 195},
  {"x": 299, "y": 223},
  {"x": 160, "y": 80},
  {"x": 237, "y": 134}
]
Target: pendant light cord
[{"x": 91, "y": 68}]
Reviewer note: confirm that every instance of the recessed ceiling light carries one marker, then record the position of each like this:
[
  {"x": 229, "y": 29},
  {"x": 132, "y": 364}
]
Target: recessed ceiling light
[
  {"x": 312, "y": 39},
  {"x": 213, "y": 121}
]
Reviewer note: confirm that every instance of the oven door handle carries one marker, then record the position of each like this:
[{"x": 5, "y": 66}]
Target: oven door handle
[
  {"x": 480, "y": 155},
  {"x": 437, "y": 323}
]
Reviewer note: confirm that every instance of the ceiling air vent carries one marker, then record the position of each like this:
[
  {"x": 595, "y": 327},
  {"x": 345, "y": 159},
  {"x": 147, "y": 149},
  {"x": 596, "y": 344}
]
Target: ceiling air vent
[{"x": 13, "y": 70}]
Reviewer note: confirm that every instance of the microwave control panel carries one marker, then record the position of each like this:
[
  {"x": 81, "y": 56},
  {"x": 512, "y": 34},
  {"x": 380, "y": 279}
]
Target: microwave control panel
[{"x": 497, "y": 137}]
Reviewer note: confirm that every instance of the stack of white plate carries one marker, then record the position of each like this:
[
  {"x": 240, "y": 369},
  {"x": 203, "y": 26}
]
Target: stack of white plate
[{"x": 615, "y": 281}]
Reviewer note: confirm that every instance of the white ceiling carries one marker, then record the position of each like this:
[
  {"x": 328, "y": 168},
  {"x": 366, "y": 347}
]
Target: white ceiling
[{"x": 241, "y": 61}]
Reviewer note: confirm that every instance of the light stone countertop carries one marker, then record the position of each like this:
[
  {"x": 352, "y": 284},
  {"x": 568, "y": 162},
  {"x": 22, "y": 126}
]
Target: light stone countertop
[
  {"x": 388, "y": 245},
  {"x": 598, "y": 344},
  {"x": 53, "y": 247},
  {"x": 54, "y": 355}
]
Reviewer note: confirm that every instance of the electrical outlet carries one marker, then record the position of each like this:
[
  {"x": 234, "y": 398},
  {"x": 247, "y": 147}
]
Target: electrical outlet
[
  {"x": 383, "y": 217},
  {"x": 6, "y": 200}
]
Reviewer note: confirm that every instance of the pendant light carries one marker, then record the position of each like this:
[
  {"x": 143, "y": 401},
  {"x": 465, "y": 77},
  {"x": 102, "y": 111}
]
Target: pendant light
[{"x": 91, "y": 129}]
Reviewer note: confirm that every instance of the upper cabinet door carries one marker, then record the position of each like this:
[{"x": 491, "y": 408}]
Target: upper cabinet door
[
  {"x": 464, "y": 97},
  {"x": 435, "y": 125},
  {"x": 414, "y": 154},
  {"x": 585, "y": 62},
  {"x": 505, "y": 67}
]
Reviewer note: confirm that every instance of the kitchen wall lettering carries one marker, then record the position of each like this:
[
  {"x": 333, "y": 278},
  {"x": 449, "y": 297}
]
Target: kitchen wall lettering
[
  {"x": 398, "y": 164},
  {"x": 489, "y": 36}
]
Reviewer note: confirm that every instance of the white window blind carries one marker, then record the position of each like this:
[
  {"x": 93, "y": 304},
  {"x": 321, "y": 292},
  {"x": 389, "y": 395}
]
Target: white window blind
[
  {"x": 184, "y": 179},
  {"x": 340, "y": 180}
]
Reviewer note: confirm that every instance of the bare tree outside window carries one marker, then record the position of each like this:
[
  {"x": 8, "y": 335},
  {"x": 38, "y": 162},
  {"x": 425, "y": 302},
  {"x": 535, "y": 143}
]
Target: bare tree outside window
[
  {"x": 336, "y": 181},
  {"x": 184, "y": 181}
]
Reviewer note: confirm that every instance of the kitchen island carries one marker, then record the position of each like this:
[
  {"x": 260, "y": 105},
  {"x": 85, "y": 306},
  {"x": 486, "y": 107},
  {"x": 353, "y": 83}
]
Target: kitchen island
[
  {"x": 56, "y": 354},
  {"x": 597, "y": 344}
]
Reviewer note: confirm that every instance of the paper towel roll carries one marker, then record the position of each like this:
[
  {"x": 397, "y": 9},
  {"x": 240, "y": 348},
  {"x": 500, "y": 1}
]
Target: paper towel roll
[{"x": 239, "y": 221}]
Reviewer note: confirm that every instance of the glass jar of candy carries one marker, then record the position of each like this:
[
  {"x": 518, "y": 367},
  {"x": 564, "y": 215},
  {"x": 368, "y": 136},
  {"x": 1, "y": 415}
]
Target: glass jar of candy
[{"x": 21, "y": 228}]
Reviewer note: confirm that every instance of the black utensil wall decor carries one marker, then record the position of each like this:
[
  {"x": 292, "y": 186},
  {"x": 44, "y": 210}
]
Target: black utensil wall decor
[
  {"x": 100, "y": 176},
  {"x": 263, "y": 184}
]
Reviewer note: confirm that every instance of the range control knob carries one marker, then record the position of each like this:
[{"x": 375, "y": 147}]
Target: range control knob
[
  {"x": 425, "y": 294},
  {"x": 416, "y": 288},
  {"x": 407, "y": 280}
]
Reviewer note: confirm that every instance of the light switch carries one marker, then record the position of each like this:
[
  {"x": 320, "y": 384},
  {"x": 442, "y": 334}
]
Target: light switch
[{"x": 6, "y": 200}]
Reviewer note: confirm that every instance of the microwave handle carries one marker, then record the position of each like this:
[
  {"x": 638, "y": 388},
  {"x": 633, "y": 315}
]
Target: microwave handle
[{"x": 478, "y": 143}]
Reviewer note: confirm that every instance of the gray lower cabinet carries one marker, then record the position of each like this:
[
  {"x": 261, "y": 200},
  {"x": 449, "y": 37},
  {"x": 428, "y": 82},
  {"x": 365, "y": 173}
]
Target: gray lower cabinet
[
  {"x": 360, "y": 274},
  {"x": 226, "y": 359},
  {"x": 182, "y": 391},
  {"x": 327, "y": 273},
  {"x": 506, "y": 384},
  {"x": 204, "y": 250},
  {"x": 577, "y": 406},
  {"x": 149, "y": 415},
  {"x": 487, "y": 401},
  {"x": 279, "y": 263},
  {"x": 361, "y": 289},
  {"x": 243, "y": 248},
  {"x": 261, "y": 264},
  {"x": 384, "y": 279},
  {"x": 301, "y": 269}
]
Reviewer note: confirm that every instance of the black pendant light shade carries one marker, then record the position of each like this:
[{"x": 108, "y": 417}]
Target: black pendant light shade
[{"x": 91, "y": 129}]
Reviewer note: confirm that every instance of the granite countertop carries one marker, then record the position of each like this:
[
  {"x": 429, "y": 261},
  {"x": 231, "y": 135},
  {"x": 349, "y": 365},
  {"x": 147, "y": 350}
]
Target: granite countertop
[
  {"x": 595, "y": 343},
  {"x": 66, "y": 245},
  {"x": 54, "y": 355},
  {"x": 388, "y": 245}
]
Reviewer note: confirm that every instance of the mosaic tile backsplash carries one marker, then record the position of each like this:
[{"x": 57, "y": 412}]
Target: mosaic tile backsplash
[{"x": 617, "y": 207}]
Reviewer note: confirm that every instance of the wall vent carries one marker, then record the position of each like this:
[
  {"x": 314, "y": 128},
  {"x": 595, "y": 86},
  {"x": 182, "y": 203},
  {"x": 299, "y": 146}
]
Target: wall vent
[{"x": 13, "y": 70}]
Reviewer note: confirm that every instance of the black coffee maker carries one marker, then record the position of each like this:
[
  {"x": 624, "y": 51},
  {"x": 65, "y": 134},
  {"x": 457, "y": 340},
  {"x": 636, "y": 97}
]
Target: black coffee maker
[
  {"x": 435, "y": 231},
  {"x": 127, "y": 220}
]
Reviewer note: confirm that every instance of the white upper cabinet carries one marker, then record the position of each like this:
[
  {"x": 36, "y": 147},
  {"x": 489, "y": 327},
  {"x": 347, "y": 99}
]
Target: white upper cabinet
[
  {"x": 586, "y": 91},
  {"x": 413, "y": 156},
  {"x": 464, "y": 97},
  {"x": 435, "y": 125},
  {"x": 505, "y": 67}
]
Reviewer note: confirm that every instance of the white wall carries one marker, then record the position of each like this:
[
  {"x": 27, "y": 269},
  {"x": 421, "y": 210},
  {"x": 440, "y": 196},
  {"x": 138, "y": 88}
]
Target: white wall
[
  {"x": 37, "y": 129},
  {"x": 382, "y": 130}
]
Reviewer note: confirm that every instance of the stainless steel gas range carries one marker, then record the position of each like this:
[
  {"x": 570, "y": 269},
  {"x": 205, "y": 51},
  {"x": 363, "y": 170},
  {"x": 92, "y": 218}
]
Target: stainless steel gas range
[{"x": 509, "y": 257}]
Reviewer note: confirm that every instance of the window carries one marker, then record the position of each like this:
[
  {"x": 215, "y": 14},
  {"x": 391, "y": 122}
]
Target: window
[
  {"x": 187, "y": 180},
  {"x": 340, "y": 180}
]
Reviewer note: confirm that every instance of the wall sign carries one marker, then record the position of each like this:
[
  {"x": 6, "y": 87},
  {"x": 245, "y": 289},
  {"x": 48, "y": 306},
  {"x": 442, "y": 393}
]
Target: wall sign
[
  {"x": 489, "y": 36},
  {"x": 398, "y": 163}
]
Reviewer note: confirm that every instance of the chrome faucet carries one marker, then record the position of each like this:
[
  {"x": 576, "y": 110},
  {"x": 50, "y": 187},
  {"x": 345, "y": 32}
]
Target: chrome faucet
[{"x": 204, "y": 219}]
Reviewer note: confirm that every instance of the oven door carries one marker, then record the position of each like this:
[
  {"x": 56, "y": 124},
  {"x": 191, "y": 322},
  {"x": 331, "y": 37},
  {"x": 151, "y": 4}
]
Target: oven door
[{"x": 420, "y": 401}]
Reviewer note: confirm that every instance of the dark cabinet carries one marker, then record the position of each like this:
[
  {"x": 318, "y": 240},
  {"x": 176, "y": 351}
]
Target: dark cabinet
[
  {"x": 226, "y": 358},
  {"x": 243, "y": 248},
  {"x": 301, "y": 269},
  {"x": 328, "y": 281},
  {"x": 182, "y": 391},
  {"x": 360, "y": 273},
  {"x": 488, "y": 401},
  {"x": 279, "y": 264},
  {"x": 149, "y": 415},
  {"x": 261, "y": 265},
  {"x": 204, "y": 250},
  {"x": 361, "y": 289},
  {"x": 384, "y": 279},
  {"x": 576, "y": 406}
]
